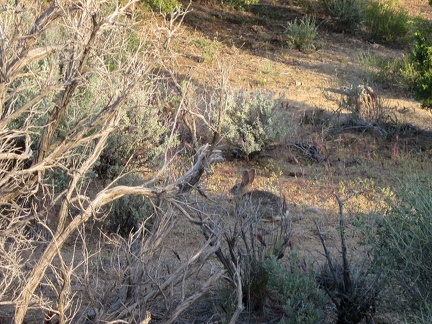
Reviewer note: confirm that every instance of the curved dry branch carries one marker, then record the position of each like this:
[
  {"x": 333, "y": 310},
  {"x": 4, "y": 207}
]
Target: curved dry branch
[
  {"x": 44, "y": 99},
  {"x": 102, "y": 198}
]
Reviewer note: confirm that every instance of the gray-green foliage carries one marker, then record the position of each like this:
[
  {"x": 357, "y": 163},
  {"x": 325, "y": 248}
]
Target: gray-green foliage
[
  {"x": 89, "y": 100},
  {"x": 421, "y": 60},
  {"x": 424, "y": 315},
  {"x": 240, "y": 4},
  {"x": 164, "y": 6},
  {"x": 210, "y": 48},
  {"x": 346, "y": 15},
  {"x": 254, "y": 119},
  {"x": 128, "y": 212},
  {"x": 308, "y": 5},
  {"x": 76, "y": 71},
  {"x": 248, "y": 244},
  {"x": 397, "y": 74},
  {"x": 404, "y": 237},
  {"x": 142, "y": 136},
  {"x": 386, "y": 23},
  {"x": 139, "y": 141},
  {"x": 302, "y": 34},
  {"x": 295, "y": 289}
]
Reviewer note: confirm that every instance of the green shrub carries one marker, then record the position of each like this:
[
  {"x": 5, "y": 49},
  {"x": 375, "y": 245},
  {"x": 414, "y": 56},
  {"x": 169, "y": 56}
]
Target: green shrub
[
  {"x": 346, "y": 14},
  {"x": 404, "y": 238},
  {"x": 249, "y": 242},
  {"x": 309, "y": 6},
  {"x": 128, "y": 212},
  {"x": 255, "y": 119},
  {"x": 349, "y": 281},
  {"x": 164, "y": 6},
  {"x": 424, "y": 316},
  {"x": 302, "y": 35},
  {"x": 423, "y": 25},
  {"x": 141, "y": 137},
  {"x": 240, "y": 4},
  {"x": 421, "y": 59},
  {"x": 386, "y": 23},
  {"x": 252, "y": 247},
  {"x": 210, "y": 48},
  {"x": 294, "y": 289},
  {"x": 396, "y": 74}
]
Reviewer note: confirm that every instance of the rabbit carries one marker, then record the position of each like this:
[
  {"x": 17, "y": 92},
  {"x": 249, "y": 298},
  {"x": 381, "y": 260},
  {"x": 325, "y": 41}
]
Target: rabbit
[{"x": 264, "y": 204}]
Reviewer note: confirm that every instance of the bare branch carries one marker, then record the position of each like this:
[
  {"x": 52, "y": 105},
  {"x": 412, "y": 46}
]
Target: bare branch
[
  {"x": 29, "y": 57},
  {"x": 198, "y": 294},
  {"x": 345, "y": 263},
  {"x": 239, "y": 295}
]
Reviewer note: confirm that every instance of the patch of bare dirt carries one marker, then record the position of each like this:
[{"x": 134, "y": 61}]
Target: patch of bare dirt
[
  {"x": 256, "y": 48},
  {"x": 256, "y": 51}
]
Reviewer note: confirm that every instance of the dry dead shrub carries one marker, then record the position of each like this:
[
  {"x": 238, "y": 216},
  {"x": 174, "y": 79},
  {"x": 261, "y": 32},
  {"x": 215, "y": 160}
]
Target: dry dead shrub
[
  {"x": 69, "y": 71},
  {"x": 352, "y": 286}
]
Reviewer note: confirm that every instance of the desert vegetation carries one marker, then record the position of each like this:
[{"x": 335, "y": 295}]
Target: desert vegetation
[{"x": 124, "y": 125}]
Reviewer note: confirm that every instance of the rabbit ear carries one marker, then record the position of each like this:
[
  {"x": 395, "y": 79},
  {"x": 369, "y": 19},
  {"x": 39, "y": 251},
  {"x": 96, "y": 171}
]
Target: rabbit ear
[
  {"x": 251, "y": 175},
  {"x": 285, "y": 211},
  {"x": 245, "y": 178}
]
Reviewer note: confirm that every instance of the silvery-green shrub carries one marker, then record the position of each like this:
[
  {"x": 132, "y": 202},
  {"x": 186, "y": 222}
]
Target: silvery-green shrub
[
  {"x": 302, "y": 34},
  {"x": 255, "y": 119},
  {"x": 295, "y": 289},
  {"x": 346, "y": 15}
]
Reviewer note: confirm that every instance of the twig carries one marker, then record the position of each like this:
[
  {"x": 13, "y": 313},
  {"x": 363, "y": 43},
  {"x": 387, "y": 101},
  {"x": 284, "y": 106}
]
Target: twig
[
  {"x": 239, "y": 291},
  {"x": 190, "y": 300},
  {"x": 346, "y": 268}
]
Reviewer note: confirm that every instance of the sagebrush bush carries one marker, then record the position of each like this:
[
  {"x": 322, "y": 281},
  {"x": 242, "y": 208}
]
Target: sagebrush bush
[
  {"x": 346, "y": 15},
  {"x": 295, "y": 291},
  {"x": 255, "y": 119},
  {"x": 240, "y": 4},
  {"x": 421, "y": 59},
  {"x": 424, "y": 316},
  {"x": 210, "y": 48},
  {"x": 309, "y": 6},
  {"x": 140, "y": 138},
  {"x": 350, "y": 284},
  {"x": 164, "y": 6},
  {"x": 386, "y": 23},
  {"x": 403, "y": 238},
  {"x": 423, "y": 25},
  {"x": 302, "y": 34},
  {"x": 248, "y": 244},
  {"x": 388, "y": 73},
  {"x": 128, "y": 212},
  {"x": 59, "y": 178},
  {"x": 253, "y": 246}
]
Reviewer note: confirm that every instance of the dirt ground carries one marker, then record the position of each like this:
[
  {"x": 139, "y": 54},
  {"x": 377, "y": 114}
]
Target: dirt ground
[{"x": 254, "y": 49}]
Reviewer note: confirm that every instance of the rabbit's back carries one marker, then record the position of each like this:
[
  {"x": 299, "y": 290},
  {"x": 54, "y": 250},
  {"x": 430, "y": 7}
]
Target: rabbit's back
[{"x": 260, "y": 204}]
